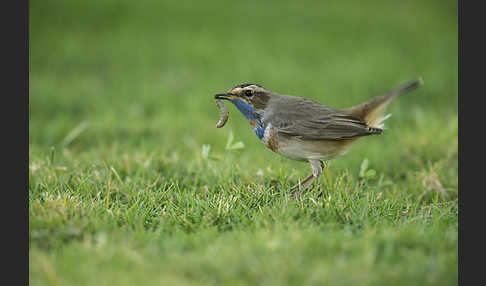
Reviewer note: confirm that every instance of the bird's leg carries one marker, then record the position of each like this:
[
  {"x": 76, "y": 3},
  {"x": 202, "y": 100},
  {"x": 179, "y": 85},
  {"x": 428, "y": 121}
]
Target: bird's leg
[
  {"x": 323, "y": 165},
  {"x": 317, "y": 166},
  {"x": 300, "y": 183}
]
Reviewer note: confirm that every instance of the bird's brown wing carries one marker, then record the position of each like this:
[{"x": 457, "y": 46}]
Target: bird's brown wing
[{"x": 309, "y": 120}]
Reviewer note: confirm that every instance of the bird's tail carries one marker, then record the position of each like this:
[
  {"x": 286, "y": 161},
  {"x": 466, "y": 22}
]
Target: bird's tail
[{"x": 372, "y": 111}]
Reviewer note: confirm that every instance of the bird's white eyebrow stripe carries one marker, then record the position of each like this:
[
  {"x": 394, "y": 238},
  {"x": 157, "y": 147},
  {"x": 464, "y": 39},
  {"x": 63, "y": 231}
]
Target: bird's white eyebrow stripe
[
  {"x": 247, "y": 85},
  {"x": 239, "y": 88}
]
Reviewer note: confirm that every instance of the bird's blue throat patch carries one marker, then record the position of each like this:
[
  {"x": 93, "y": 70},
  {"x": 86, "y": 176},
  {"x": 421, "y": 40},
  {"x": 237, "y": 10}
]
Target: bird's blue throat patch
[
  {"x": 249, "y": 112},
  {"x": 247, "y": 109}
]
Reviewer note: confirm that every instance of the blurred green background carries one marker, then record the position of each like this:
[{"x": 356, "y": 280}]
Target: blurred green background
[
  {"x": 117, "y": 79},
  {"x": 143, "y": 74}
]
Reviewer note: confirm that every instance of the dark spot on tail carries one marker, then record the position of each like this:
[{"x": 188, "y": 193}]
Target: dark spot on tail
[{"x": 374, "y": 130}]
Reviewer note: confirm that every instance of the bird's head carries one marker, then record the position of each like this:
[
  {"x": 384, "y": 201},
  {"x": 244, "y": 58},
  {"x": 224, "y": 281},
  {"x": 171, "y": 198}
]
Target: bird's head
[{"x": 251, "y": 99}]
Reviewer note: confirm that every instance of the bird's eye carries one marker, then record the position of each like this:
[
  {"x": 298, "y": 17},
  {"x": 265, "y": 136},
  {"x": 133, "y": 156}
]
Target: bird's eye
[{"x": 248, "y": 92}]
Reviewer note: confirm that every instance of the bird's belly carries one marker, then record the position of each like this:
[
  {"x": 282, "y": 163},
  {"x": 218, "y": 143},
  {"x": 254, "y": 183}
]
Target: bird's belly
[
  {"x": 301, "y": 150},
  {"x": 304, "y": 150}
]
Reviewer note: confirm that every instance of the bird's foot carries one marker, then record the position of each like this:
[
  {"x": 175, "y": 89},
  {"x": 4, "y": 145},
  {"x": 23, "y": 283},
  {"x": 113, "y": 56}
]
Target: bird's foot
[
  {"x": 300, "y": 184},
  {"x": 317, "y": 167},
  {"x": 308, "y": 182}
]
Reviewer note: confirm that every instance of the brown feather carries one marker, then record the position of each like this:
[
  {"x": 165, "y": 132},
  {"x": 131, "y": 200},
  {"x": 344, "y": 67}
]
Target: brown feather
[{"x": 372, "y": 111}]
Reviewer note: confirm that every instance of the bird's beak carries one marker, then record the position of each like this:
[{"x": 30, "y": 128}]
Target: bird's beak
[{"x": 224, "y": 96}]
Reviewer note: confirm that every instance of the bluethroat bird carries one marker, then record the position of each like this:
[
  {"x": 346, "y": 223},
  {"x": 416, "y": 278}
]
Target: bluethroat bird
[{"x": 305, "y": 130}]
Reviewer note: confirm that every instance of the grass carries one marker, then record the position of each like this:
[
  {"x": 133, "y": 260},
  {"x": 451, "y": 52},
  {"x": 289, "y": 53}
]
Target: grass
[{"x": 131, "y": 183}]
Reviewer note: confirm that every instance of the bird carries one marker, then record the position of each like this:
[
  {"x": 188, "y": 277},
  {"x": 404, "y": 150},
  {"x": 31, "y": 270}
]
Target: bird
[{"x": 305, "y": 130}]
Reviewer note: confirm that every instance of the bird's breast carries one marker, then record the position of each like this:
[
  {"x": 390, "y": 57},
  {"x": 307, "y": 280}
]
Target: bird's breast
[{"x": 267, "y": 134}]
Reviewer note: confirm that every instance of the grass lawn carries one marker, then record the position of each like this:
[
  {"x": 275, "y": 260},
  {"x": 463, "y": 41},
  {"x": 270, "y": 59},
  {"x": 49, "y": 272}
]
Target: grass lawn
[{"x": 130, "y": 183}]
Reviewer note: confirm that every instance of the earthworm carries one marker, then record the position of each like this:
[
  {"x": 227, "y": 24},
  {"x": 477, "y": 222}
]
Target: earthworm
[{"x": 224, "y": 113}]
